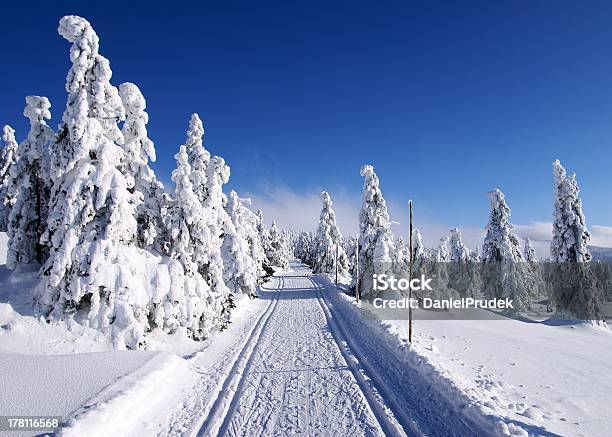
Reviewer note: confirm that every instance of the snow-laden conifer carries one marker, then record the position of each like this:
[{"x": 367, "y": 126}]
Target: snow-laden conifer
[
  {"x": 377, "y": 253},
  {"x": 459, "y": 252},
  {"x": 90, "y": 97},
  {"x": 277, "y": 251},
  {"x": 575, "y": 289},
  {"x": 570, "y": 235},
  {"x": 463, "y": 274},
  {"x": 217, "y": 219},
  {"x": 207, "y": 176},
  {"x": 529, "y": 253},
  {"x": 403, "y": 253},
  {"x": 500, "y": 243},
  {"x": 441, "y": 253},
  {"x": 91, "y": 225},
  {"x": 305, "y": 248},
  {"x": 249, "y": 221},
  {"x": 29, "y": 181},
  {"x": 189, "y": 237},
  {"x": 419, "y": 252},
  {"x": 239, "y": 268},
  {"x": 138, "y": 151},
  {"x": 7, "y": 160},
  {"x": 264, "y": 235},
  {"x": 328, "y": 241},
  {"x": 504, "y": 272}
]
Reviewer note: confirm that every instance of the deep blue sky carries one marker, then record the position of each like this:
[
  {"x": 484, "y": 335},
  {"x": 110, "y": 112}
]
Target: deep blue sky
[{"x": 446, "y": 99}]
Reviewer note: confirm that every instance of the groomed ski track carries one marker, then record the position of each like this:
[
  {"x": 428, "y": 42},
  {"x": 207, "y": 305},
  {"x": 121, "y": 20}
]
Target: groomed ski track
[{"x": 303, "y": 372}]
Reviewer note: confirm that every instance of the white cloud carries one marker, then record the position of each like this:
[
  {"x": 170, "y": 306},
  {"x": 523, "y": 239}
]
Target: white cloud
[
  {"x": 535, "y": 231},
  {"x": 601, "y": 235},
  {"x": 300, "y": 211}
]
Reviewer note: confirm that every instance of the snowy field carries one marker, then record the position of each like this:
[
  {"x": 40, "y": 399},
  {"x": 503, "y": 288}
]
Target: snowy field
[
  {"x": 544, "y": 379},
  {"x": 291, "y": 363}
]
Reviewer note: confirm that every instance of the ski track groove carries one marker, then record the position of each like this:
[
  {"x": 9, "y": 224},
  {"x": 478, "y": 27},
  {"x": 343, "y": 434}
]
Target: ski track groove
[
  {"x": 294, "y": 378},
  {"x": 384, "y": 415},
  {"x": 207, "y": 424},
  {"x": 414, "y": 403},
  {"x": 299, "y": 373}
]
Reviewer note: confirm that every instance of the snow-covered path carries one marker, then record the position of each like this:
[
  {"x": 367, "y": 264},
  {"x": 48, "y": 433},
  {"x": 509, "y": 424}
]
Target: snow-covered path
[
  {"x": 296, "y": 375},
  {"x": 301, "y": 360}
]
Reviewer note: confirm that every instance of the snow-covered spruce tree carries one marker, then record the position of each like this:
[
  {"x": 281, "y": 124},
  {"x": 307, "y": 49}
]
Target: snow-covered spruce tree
[
  {"x": 377, "y": 252},
  {"x": 529, "y": 253},
  {"x": 239, "y": 268},
  {"x": 277, "y": 253},
  {"x": 189, "y": 237},
  {"x": 310, "y": 248},
  {"x": 441, "y": 253},
  {"x": 328, "y": 241},
  {"x": 504, "y": 274},
  {"x": 304, "y": 250},
  {"x": 403, "y": 253},
  {"x": 199, "y": 157},
  {"x": 249, "y": 221},
  {"x": 538, "y": 271},
  {"x": 217, "y": 174},
  {"x": 463, "y": 274},
  {"x": 7, "y": 160},
  {"x": 570, "y": 235},
  {"x": 419, "y": 252},
  {"x": 90, "y": 96},
  {"x": 29, "y": 181},
  {"x": 207, "y": 177},
  {"x": 91, "y": 227},
  {"x": 264, "y": 238},
  {"x": 140, "y": 178},
  {"x": 575, "y": 290},
  {"x": 350, "y": 248},
  {"x": 459, "y": 252}
]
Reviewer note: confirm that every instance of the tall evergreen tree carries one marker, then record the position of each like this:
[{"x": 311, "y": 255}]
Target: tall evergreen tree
[
  {"x": 505, "y": 273},
  {"x": 570, "y": 235},
  {"x": 7, "y": 160},
  {"x": 277, "y": 252},
  {"x": 377, "y": 252},
  {"x": 529, "y": 252},
  {"x": 250, "y": 221},
  {"x": 239, "y": 267},
  {"x": 29, "y": 180},
  {"x": 328, "y": 241},
  {"x": 575, "y": 290},
  {"x": 459, "y": 252},
  {"x": 140, "y": 178},
  {"x": 442, "y": 254},
  {"x": 92, "y": 212},
  {"x": 463, "y": 275},
  {"x": 207, "y": 176},
  {"x": 189, "y": 237}
]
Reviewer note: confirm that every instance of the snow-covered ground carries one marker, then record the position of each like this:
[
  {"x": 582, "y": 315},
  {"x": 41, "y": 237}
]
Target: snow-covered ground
[
  {"x": 65, "y": 369},
  {"x": 552, "y": 378},
  {"x": 302, "y": 359},
  {"x": 540, "y": 378}
]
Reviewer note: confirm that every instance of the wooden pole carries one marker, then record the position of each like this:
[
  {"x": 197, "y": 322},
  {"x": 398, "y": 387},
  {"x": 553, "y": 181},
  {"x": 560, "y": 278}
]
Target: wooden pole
[
  {"x": 357, "y": 270},
  {"x": 410, "y": 260},
  {"x": 336, "y": 264}
]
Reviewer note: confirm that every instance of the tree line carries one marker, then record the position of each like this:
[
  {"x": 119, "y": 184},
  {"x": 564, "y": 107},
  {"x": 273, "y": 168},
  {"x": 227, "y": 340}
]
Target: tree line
[{"x": 117, "y": 250}]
